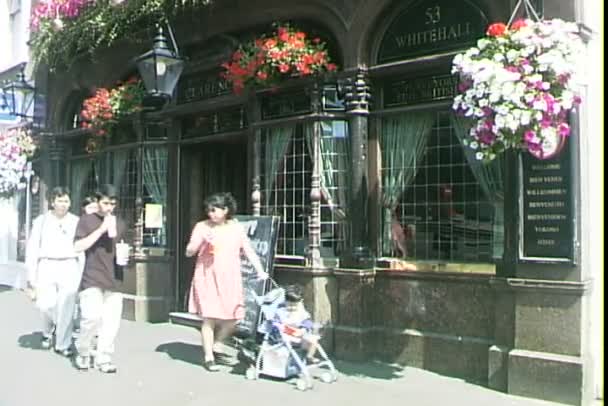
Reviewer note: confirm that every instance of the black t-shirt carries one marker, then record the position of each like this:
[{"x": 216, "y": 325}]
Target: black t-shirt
[{"x": 100, "y": 257}]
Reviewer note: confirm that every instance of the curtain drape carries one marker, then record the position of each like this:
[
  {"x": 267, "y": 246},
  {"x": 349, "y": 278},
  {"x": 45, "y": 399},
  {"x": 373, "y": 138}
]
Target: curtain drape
[
  {"x": 275, "y": 146},
  {"x": 119, "y": 163},
  {"x": 79, "y": 172},
  {"x": 155, "y": 173},
  {"x": 403, "y": 142},
  {"x": 335, "y": 166},
  {"x": 490, "y": 179}
]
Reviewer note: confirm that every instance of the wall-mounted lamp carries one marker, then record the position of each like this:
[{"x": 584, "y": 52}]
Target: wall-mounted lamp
[
  {"x": 160, "y": 69},
  {"x": 18, "y": 96}
]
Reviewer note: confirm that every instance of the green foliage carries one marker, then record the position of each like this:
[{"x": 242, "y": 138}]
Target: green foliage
[{"x": 59, "y": 43}]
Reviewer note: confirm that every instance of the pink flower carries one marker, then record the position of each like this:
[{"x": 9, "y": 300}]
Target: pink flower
[{"x": 563, "y": 129}]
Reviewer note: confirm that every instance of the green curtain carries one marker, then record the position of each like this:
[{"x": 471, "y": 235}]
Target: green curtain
[
  {"x": 79, "y": 172},
  {"x": 155, "y": 173},
  {"x": 336, "y": 165},
  {"x": 119, "y": 163},
  {"x": 276, "y": 142},
  {"x": 490, "y": 178},
  {"x": 403, "y": 142}
]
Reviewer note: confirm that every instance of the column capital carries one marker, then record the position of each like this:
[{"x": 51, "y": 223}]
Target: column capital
[{"x": 357, "y": 92}]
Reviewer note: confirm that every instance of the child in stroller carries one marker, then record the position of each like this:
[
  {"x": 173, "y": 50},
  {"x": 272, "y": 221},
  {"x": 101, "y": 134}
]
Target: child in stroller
[{"x": 287, "y": 331}]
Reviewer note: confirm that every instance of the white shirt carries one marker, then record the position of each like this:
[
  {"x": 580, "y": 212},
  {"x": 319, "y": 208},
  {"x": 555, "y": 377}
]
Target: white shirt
[{"x": 51, "y": 238}]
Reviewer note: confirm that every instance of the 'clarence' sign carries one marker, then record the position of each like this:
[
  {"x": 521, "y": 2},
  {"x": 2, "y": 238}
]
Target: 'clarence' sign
[{"x": 430, "y": 27}]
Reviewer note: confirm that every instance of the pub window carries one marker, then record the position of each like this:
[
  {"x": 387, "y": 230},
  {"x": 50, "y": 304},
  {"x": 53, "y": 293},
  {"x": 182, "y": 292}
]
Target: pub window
[
  {"x": 438, "y": 202},
  {"x": 119, "y": 168},
  {"x": 155, "y": 195},
  {"x": 287, "y": 161}
]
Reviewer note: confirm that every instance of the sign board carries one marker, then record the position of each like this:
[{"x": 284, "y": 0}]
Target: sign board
[
  {"x": 547, "y": 225},
  {"x": 420, "y": 90},
  {"x": 431, "y": 27},
  {"x": 263, "y": 232},
  {"x": 197, "y": 87},
  {"x": 153, "y": 217}
]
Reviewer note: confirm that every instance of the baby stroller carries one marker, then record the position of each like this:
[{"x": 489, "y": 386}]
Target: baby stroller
[{"x": 277, "y": 355}]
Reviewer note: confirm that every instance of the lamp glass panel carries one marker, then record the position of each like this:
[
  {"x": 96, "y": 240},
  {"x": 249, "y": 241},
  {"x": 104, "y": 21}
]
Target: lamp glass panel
[
  {"x": 147, "y": 70},
  {"x": 168, "y": 71}
]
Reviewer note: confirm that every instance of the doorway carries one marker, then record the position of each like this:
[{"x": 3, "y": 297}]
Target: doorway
[{"x": 216, "y": 164}]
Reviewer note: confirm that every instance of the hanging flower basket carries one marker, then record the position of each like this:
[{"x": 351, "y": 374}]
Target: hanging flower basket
[
  {"x": 517, "y": 87},
  {"x": 17, "y": 148},
  {"x": 101, "y": 112},
  {"x": 287, "y": 52},
  {"x": 64, "y": 30}
]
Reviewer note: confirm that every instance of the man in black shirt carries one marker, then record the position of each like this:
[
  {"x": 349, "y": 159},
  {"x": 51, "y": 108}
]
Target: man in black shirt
[{"x": 100, "y": 301}]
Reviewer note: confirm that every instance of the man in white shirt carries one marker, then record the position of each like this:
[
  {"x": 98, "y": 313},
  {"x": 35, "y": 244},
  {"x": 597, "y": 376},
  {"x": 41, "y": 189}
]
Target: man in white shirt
[{"x": 53, "y": 270}]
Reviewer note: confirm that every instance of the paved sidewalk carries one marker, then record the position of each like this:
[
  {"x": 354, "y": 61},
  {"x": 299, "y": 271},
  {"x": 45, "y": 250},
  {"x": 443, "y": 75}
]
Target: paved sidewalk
[{"x": 159, "y": 366}]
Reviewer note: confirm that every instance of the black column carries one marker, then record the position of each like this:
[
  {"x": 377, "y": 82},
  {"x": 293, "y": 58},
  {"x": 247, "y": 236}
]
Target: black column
[
  {"x": 56, "y": 158},
  {"x": 358, "y": 253}
]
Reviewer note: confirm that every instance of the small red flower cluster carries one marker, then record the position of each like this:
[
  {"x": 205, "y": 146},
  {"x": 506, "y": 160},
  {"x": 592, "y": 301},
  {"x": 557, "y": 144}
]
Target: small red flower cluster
[
  {"x": 287, "y": 52},
  {"x": 107, "y": 106},
  {"x": 500, "y": 29}
]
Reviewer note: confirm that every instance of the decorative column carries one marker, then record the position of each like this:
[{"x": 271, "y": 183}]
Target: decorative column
[
  {"x": 253, "y": 116},
  {"x": 357, "y": 95},
  {"x": 57, "y": 157},
  {"x": 314, "y": 220},
  {"x": 139, "y": 192}
]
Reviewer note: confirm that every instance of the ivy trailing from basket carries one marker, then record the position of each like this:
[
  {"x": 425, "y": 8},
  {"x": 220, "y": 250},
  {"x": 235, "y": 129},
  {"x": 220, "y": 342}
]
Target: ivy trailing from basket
[{"x": 63, "y": 30}]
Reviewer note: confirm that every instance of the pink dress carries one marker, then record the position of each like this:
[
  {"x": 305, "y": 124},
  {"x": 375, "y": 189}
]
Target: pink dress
[{"x": 217, "y": 289}]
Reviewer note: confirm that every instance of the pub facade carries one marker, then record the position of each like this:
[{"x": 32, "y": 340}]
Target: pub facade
[{"x": 408, "y": 248}]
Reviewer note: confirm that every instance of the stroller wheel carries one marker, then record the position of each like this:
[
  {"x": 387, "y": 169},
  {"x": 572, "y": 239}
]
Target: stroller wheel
[
  {"x": 302, "y": 384},
  {"x": 250, "y": 373},
  {"x": 327, "y": 377}
]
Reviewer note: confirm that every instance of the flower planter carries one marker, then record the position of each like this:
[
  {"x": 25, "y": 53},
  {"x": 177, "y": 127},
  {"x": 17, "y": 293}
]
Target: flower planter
[{"x": 517, "y": 87}]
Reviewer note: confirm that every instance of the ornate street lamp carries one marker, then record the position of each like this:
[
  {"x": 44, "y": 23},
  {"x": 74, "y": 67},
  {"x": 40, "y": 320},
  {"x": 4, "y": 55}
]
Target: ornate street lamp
[
  {"x": 18, "y": 96},
  {"x": 160, "y": 69}
]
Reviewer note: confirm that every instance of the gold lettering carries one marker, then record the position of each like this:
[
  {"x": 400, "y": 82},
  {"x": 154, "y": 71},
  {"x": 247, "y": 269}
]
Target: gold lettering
[
  {"x": 540, "y": 229},
  {"x": 442, "y": 33},
  {"x": 452, "y": 33},
  {"x": 545, "y": 242},
  {"x": 433, "y": 15}
]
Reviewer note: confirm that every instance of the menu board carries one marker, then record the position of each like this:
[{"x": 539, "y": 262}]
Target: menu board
[
  {"x": 547, "y": 209},
  {"x": 262, "y": 232}
]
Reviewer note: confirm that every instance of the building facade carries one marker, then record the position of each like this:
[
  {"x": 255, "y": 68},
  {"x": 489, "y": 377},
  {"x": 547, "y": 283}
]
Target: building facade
[{"x": 409, "y": 250}]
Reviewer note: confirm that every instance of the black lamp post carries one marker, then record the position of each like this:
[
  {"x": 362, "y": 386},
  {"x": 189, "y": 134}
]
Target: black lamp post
[
  {"x": 160, "y": 69},
  {"x": 18, "y": 95}
]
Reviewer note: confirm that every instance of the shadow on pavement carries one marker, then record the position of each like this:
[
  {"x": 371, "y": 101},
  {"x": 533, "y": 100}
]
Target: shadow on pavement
[
  {"x": 185, "y": 352},
  {"x": 32, "y": 341},
  {"x": 370, "y": 369}
]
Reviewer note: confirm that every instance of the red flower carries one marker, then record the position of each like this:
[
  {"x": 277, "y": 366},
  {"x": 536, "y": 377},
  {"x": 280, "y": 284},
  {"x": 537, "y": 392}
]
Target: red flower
[
  {"x": 496, "y": 30},
  {"x": 517, "y": 24},
  {"x": 268, "y": 57},
  {"x": 262, "y": 75},
  {"x": 283, "y": 34}
]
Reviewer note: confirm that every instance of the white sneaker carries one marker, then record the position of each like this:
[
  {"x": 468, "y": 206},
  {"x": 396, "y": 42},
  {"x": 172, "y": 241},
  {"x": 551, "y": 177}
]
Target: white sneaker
[
  {"x": 82, "y": 362},
  {"x": 106, "y": 367},
  {"x": 46, "y": 342},
  {"x": 104, "y": 364}
]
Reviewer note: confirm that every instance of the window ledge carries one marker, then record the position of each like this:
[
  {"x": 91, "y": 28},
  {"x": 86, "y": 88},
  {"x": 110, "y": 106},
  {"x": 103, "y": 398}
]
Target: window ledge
[{"x": 400, "y": 265}]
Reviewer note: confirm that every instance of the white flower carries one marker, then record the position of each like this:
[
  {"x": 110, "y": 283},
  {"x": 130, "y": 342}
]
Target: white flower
[
  {"x": 548, "y": 57},
  {"x": 16, "y": 147}
]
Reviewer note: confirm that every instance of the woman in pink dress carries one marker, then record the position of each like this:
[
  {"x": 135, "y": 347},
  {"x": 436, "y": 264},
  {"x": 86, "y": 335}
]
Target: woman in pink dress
[{"x": 216, "y": 293}]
